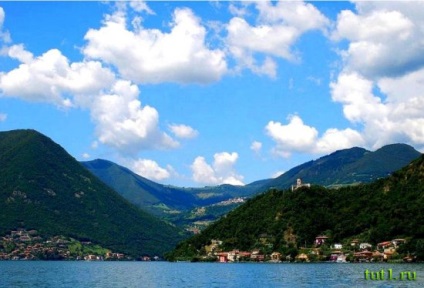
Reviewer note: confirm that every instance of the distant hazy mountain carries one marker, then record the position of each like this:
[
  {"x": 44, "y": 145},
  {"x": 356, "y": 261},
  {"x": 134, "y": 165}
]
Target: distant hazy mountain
[
  {"x": 176, "y": 204},
  {"x": 349, "y": 166},
  {"x": 42, "y": 187}
]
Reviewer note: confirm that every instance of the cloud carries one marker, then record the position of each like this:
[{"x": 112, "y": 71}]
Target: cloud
[
  {"x": 123, "y": 123},
  {"x": 277, "y": 174},
  {"x": 299, "y": 137},
  {"x": 398, "y": 118},
  {"x": 86, "y": 155},
  {"x": 381, "y": 81},
  {"x": 120, "y": 120},
  {"x": 152, "y": 56},
  {"x": 293, "y": 137},
  {"x": 150, "y": 170},
  {"x": 183, "y": 131},
  {"x": 3, "y": 117},
  {"x": 141, "y": 6},
  {"x": 52, "y": 79},
  {"x": 377, "y": 33},
  {"x": 334, "y": 139},
  {"x": 4, "y": 35},
  {"x": 278, "y": 27},
  {"x": 256, "y": 146},
  {"x": 220, "y": 172}
]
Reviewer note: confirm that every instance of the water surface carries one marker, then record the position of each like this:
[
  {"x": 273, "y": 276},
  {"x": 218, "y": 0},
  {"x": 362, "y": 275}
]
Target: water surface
[{"x": 164, "y": 274}]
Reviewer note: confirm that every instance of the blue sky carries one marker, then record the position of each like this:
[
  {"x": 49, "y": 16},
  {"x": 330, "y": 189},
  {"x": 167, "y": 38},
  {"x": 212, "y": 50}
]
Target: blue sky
[{"x": 204, "y": 93}]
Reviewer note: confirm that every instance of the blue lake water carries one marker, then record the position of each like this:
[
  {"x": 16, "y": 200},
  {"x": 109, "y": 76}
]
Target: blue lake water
[{"x": 164, "y": 274}]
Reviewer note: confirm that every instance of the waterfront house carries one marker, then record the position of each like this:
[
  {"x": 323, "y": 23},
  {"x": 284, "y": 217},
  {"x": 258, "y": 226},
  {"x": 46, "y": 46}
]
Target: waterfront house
[
  {"x": 276, "y": 256},
  {"x": 222, "y": 257},
  {"x": 302, "y": 257}
]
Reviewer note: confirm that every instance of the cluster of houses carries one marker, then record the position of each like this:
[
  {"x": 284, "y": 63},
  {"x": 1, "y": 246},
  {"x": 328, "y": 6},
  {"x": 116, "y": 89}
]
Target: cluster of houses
[
  {"x": 21, "y": 244},
  {"x": 358, "y": 251},
  {"x": 355, "y": 252},
  {"x": 382, "y": 252}
]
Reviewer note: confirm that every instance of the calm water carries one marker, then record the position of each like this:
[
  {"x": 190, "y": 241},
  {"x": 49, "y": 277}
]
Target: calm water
[{"x": 164, "y": 274}]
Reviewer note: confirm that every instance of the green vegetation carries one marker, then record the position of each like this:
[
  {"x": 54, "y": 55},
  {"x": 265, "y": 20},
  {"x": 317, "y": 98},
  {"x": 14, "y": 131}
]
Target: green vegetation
[
  {"x": 42, "y": 187},
  {"x": 383, "y": 210},
  {"x": 341, "y": 168}
]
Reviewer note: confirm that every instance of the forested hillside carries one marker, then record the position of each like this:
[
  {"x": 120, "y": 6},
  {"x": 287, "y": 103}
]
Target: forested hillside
[{"x": 383, "y": 210}]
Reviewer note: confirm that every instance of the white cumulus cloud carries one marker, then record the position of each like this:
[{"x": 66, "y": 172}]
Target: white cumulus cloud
[
  {"x": 123, "y": 123},
  {"x": 277, "y": 29},
  {"x": 381, "y": 81},
  {"x": 120, "y": 119},
  {"x": 299, "y": 137},
  {"x": 152, "y": 56},
  {"x": 385, "y": 38},
  {"x": 3, "y": 117},
  {"x": 51, "y": 78},
  {"x": 221, "y": 171},
  {"x": 293, "y": 137},
  {"x": 150, "y": 170},
  {"x": 183, "y": 131}
]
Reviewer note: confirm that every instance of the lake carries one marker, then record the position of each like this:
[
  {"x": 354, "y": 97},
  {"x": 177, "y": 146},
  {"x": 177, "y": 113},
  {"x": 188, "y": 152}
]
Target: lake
[{"x": 164, "y": 274}]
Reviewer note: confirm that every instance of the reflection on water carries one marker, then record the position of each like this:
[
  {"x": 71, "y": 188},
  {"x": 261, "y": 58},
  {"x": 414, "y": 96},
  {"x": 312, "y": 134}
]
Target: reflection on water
[{"x": 164, "y": 274}]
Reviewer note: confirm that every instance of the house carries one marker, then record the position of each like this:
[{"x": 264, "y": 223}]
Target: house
[
  {"x": 91, "y": 258},
  {"x": 319, "y": 240},
  {"x": 302, "y": 257},
  {"x": 384, "y": 245},
  {"x": 233, "y": 255},
  {"x": 354, "y": 242},
  {"x": 338, "y": 246},
  {"x": 222, "y": 257},
  {"x": 363, "y": 256},
  {"x": 397, "y": 242},
  {"x": 389, "y": 251},
  {"x": 275, "y": 256},
  {"x": 243, "y": 255},
  {"x": 256, "y": 256},
  {"x": 335, "y": 255},
  {"x": 365, "y": 246}
]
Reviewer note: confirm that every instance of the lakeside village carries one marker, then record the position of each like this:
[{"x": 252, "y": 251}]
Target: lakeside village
[
  {"x": 29, "y": 245},
  {"x": 355, "y": 251}
]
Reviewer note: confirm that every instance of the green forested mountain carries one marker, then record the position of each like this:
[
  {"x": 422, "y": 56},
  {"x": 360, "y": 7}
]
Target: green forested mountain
[
  {"x": 349, "y": 166},
  {"x": 181, "y": 205},
  {"x": 42, "y": 187},
  {"x": 383, "y": 210}
]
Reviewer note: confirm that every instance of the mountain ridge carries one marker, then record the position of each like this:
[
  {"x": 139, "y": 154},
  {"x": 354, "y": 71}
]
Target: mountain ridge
[{"x": 348, "y": 166}]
